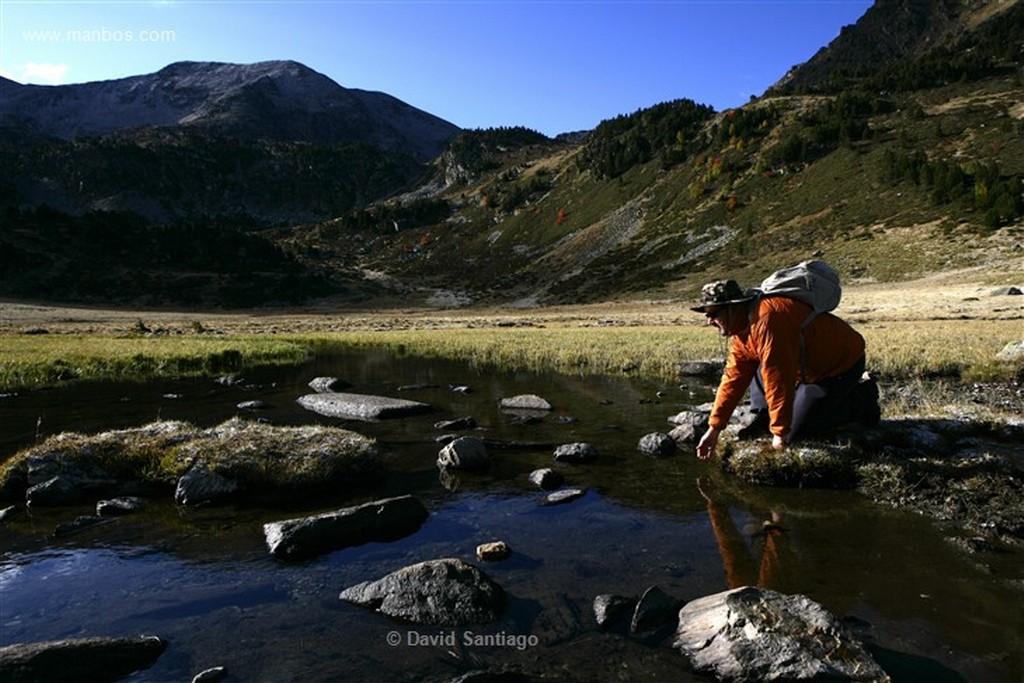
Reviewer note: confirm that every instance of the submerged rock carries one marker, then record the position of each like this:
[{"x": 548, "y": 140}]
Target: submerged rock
[
  {"x": 752, "y": 634},
  {"x": 361, "y": 406},
  {"x": 446, "y": 591},
  {"x": 381, "y": 520},
  {"x": 80, "y": 660}
]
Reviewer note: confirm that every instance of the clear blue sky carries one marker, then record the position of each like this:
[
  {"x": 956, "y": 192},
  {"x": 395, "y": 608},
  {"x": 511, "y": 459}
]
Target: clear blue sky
[{"x": 550, "y": 65}]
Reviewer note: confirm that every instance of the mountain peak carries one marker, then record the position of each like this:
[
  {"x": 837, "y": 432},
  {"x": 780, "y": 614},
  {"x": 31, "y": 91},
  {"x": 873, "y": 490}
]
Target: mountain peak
[{"x": 278, "y": 100}]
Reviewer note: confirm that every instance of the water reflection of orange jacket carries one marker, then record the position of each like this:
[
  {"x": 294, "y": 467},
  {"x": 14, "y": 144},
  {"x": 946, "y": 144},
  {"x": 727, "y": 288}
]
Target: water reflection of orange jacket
[
  {"x": 737, "y": 559},
  {"x": 772, "y": 341}
]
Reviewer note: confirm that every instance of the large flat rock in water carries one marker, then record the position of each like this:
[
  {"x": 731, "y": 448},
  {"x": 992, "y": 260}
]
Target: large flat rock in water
[{"x": 361, "y": 406}]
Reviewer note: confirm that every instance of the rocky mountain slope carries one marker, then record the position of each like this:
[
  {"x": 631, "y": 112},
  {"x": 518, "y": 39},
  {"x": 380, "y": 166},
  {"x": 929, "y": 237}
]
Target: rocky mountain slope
[
  {"x": 280, "y": 101},
  {"x": 909, "y": 166},
  {"x": 896, "y": 151}
]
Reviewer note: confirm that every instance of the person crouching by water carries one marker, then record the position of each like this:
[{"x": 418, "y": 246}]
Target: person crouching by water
[{"x": 805, "y": 388}]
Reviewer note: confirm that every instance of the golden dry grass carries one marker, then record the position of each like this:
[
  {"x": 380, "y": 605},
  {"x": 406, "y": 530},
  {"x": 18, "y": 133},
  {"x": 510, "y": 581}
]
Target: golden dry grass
[{"x": 948, "y": 326}]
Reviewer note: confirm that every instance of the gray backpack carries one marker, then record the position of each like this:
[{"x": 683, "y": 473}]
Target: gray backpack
[{"x": 813, "y": 282}]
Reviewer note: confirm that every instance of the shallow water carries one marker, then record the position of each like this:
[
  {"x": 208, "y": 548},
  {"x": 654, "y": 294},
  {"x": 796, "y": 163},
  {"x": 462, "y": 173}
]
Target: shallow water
[{"x": 203, "y": 580}]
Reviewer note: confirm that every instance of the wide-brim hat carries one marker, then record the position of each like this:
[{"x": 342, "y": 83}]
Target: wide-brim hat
[{"x": 722, "y": 293}]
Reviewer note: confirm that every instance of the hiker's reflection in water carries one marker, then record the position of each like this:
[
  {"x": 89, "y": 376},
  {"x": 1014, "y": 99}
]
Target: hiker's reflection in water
[{"x": 777, "y": 567}]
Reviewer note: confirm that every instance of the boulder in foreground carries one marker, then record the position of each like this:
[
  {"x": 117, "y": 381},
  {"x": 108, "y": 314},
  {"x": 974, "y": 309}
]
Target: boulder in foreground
[{"x": 752, "y": 634}]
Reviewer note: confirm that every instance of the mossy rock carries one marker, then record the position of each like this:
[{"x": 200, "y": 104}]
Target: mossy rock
[
  {"x": 805, "y": 466},
  {"x": 260, "y": 457}
]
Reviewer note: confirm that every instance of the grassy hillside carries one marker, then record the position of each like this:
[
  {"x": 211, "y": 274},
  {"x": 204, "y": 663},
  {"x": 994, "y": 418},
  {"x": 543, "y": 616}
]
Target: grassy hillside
[{"x": 887, "y": 187}]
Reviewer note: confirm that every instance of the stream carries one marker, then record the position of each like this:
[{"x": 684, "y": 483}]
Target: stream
[{"x": 203, "y": 579}]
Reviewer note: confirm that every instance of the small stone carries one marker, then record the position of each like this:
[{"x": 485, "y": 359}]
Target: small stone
[
  {"x": 493, "y": 552},
  {"x": 564, "y": 496},
  {"x": 576, "y": 452},
  {"x": 547, "y": 478},
  {"x": 327, "y": 385},
  {"x": 610, "y": 608},
  {"x": 525, "y": 402},
  {"x": 254, "y": 405},
  {"x": 464, "y": 453}
]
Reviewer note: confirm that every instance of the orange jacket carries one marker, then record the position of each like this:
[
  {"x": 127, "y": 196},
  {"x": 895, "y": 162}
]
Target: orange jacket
[{"x": 772, "y": 340}]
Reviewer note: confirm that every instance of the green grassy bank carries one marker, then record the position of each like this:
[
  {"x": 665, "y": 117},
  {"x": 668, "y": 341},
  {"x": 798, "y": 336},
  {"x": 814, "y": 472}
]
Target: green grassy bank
[{"x": 952, "y": 349}]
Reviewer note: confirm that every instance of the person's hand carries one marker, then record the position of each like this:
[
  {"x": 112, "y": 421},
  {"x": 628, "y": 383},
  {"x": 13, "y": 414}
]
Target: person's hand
[
  {"x": 778, "y": 443},
  {"x": 708, "y": 442}
]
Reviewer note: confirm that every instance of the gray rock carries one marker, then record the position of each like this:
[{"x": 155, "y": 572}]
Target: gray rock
[
  {"x": 80, "y": 660},
  {"x": 202, "y": 486},
  {"x": 610, "y": 608},
  {"x": 361, "y": 406},
  {"x": 446, "y": 591},
  {"x": 327, "y": 385},
  {"x": 564, "y": 496},
  {"x": 525, "y": 402},
  {"x": 752, "y": 634},
  {"x": 657, "y": 445},
  {"x": 654, "y": 610},
  {"x": 464, "y": 453},
  {"x": 686, "y": 434},
  {"x": 697, "y": 418},
  {"x": 381, "y": 520},
  {"x": 124, "y": 505},
  {"x": 576, "y": 452},
  {"x": 547, "y": 478}
]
